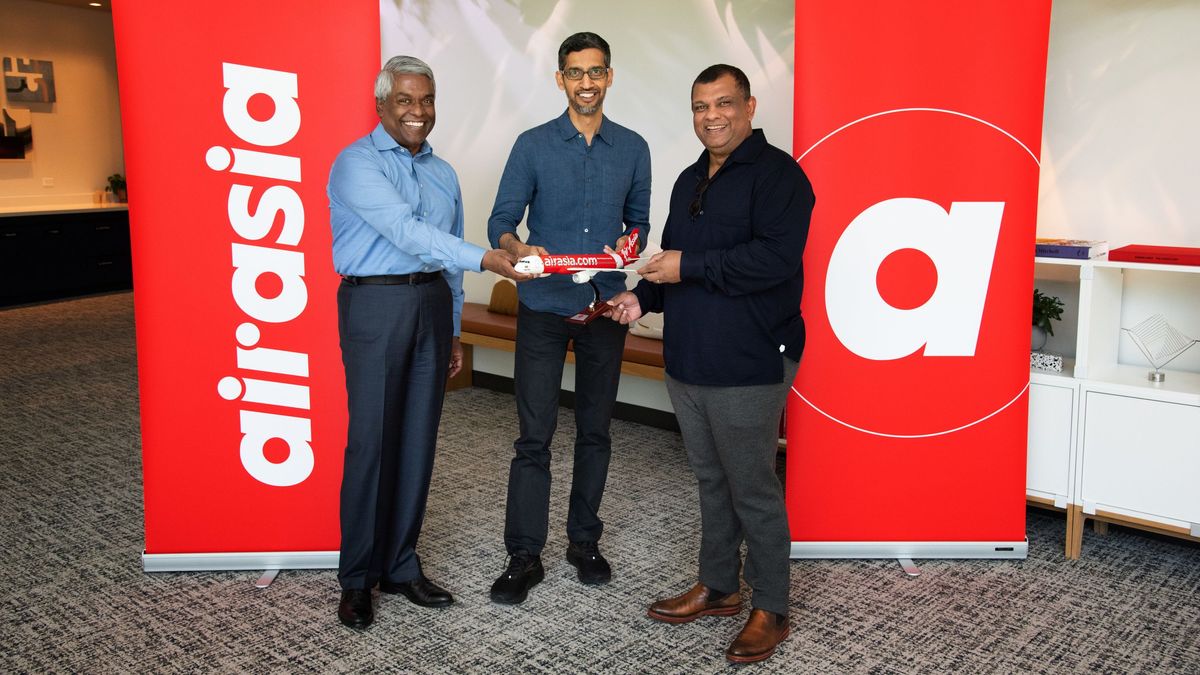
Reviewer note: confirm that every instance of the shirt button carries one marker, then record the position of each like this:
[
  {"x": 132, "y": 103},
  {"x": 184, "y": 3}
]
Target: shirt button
[
  {"x": 782, "y": 349},
  {"x": 586, "y": 230}
]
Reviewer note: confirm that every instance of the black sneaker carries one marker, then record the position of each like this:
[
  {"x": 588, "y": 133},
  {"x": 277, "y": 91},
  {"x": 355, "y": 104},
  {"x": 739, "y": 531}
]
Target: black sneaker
[
  {"x": 585, "y": 556},
  {"x": 524, "y": 572}
]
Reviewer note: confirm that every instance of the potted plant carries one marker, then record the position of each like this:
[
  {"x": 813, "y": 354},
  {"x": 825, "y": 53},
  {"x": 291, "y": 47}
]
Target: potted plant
[
  {"x": 116, "y": 185},
  {"x": 1046, "y": 308}
]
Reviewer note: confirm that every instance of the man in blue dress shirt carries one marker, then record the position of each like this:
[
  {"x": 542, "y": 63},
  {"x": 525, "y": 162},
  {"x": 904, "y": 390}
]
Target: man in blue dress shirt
[
  {"x": 397, "y": 217},
  {"x": 585, "y": 182}
]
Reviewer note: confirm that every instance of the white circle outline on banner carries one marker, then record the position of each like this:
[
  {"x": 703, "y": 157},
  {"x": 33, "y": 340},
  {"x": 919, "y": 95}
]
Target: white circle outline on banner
[
  {"x": 831, "y": 135},
  {"x": 995, "y": 412},
  {"x": 901, "y": 110}
]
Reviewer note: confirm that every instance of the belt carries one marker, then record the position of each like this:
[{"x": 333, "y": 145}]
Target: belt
[{"x": 395, "y": 279}]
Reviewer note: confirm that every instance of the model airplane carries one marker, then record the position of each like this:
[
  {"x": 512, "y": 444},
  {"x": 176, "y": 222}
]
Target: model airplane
[{"x": 584, "y": 266}]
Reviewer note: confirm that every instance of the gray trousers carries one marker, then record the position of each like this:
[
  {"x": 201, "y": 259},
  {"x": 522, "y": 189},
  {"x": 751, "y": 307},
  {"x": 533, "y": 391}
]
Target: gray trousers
[{"x": 731, "y": 436}]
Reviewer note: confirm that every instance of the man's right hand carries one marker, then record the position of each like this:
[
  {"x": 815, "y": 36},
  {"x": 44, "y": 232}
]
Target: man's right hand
[
  {"x": 518, "y": 248},
  {"x": 501, "y": 262},
  {"x": 625, "y": 308}
]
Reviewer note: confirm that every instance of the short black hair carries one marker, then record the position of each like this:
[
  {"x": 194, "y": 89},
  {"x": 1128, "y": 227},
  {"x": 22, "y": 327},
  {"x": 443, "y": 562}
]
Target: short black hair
[
  {"x": 579, "y": 42},
  {"x": 715, "y": 72}
]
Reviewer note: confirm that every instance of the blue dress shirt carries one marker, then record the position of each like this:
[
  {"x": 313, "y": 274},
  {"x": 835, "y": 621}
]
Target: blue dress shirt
[
  {"x": 393, "y": 213},
  {"x": 580, "y": 199}
]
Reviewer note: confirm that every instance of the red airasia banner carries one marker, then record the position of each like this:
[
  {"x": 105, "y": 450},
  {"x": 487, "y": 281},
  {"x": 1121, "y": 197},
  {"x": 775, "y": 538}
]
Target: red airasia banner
[
  {"x": 232, "y": 115},
  {"x": 919, "y": 124}
]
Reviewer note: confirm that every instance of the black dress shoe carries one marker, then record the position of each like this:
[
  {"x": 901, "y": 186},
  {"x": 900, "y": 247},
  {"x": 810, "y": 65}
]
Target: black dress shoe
[
  {"x": 420, "y": 591},
  {"x": 585, "y": 556},
  {"x": 355, "y": 610},
  {"x": 524, "y": 572}
]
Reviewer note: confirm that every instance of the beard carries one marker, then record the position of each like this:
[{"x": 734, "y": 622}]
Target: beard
[{"x": 587, "y": 108}]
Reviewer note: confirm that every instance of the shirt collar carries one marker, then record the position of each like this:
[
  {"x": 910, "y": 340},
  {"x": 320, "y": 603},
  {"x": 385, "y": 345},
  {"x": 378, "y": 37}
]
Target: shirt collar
[
  {"x": 384, "y": 142},
  {"x": 744, "y": 153},
  {"x": 568, "y": 131}
]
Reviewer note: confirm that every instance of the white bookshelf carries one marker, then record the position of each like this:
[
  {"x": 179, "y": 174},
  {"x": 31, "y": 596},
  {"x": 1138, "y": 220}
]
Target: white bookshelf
[{"x": 1105, "y": 442}]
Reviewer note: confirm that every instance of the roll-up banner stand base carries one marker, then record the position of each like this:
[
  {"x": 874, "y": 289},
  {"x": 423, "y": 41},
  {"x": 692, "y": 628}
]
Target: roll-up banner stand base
[
  {"x": 910, "y": 549},
  {"x": 208, "y": 562}
]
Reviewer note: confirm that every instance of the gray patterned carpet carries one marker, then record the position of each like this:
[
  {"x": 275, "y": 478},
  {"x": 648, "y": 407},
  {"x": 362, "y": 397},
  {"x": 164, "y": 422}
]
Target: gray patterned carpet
[{"x": 75, "y": 598}]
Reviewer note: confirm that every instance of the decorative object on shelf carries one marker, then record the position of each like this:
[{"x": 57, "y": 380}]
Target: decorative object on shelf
[
  {"x": 116, "y": 185},
  {"x": 1160, "y": 342},
  {"x": 1157, "y": 255},
  {"x": 1046, "y": 361},
  {"x": 1045, "y": 309},
  {"x": 28, "y": 80},
  {"x": 1079, "y": 249}
]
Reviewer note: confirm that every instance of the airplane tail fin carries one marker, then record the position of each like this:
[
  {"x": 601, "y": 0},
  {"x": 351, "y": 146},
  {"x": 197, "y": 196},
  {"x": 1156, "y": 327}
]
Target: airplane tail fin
[{"x": 629, "y": 252}]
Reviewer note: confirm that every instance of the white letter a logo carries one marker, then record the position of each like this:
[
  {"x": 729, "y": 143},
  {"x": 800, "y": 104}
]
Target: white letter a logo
[{"x": 961, "y": 244}]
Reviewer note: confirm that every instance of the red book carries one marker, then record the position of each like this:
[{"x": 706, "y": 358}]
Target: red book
[{"x": 1161, "y": 255}]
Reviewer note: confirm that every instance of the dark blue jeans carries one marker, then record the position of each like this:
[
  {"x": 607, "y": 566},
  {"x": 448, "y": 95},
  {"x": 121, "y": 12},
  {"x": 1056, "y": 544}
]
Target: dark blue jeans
[{"x": 542, "y": 340}]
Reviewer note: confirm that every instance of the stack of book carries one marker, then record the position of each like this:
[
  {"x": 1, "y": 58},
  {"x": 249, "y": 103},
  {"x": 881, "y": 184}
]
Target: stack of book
[
  {"x": 1079, "y": 249},
  {"x": 1159, "y": 255}
]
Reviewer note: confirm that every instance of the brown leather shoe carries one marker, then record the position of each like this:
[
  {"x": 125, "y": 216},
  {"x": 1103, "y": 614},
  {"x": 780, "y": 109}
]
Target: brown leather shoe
[
  {"x": 762, "y": 633},
  {"x": 695, "y": 604}
]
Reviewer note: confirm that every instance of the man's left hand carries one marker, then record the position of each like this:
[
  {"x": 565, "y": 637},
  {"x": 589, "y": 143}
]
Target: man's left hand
[
  {"x": 456, "y": 356},
  {"x": 662, "y": 268}
]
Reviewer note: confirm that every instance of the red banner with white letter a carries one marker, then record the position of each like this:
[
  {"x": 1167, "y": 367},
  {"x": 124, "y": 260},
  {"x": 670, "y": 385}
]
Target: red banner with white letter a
[
  {"x": 232, "y": 115},
  {"x": 919, "y": 124}
]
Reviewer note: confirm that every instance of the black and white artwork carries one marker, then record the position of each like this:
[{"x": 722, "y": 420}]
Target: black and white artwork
[{"x": 28, "y": 80}]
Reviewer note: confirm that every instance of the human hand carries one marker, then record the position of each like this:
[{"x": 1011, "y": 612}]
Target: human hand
[
  {"x": 662, "y": 268},
  {"x": 456, "y": 356},
  {"x": 501, "y": 262},
  {"x": 518, "y": 248},
  {"x": 625, "y": 308},
  {"x": 524, "y": 249},
  {"x": 620, "y": 243}
]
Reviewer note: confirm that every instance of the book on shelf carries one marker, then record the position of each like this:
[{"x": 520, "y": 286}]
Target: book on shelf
[
  {"x": 1159, "y": 255},
  {"x": 1080, "y": 249}
]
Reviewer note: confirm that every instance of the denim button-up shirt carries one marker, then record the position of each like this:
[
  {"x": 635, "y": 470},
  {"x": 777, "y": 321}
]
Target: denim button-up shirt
[
  {"x": 393, "y": 213},
  {"x": 580, "y": 198}
]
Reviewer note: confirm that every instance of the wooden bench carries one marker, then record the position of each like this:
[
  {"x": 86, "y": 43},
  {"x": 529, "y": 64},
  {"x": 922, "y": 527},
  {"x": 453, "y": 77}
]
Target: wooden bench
[{"x": 493, "y": 330}]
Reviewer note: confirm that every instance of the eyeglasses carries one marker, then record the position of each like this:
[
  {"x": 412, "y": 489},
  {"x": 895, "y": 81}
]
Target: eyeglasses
[
  {"x": 595, "y": 72},
  {"x": 695, "y": 208}
]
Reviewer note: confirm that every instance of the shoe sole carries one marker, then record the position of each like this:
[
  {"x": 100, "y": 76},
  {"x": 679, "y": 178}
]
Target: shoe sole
[
  {"x": 516, "y": 601},
  {"x": 718, "y": 611},
  {"x": 597, "y": 581},
  {"x": 760, "y": 657},
  {"x": 356, "y": 625}
]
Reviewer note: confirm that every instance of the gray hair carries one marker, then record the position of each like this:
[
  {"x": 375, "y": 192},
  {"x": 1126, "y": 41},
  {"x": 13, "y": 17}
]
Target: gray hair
[{"x": 400, "y": 65}]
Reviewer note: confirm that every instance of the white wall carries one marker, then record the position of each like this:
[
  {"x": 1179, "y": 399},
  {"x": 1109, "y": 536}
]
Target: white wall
[
  {"x": 495, "y": 63},
  {"x": 1120, "y": 141},
  {"x": 77, "y": 141},
  {"x": 1121, "y": 149}
]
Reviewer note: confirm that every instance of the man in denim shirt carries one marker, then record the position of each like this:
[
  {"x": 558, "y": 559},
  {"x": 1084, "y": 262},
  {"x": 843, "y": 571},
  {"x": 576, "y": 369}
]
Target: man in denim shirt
[{"x": 585, "y": 181}]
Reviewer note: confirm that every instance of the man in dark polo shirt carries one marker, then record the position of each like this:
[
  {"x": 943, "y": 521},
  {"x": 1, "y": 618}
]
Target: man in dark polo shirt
[
  {"x": 728, "y": 283},
  {"x": 585, "y": 181}
]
